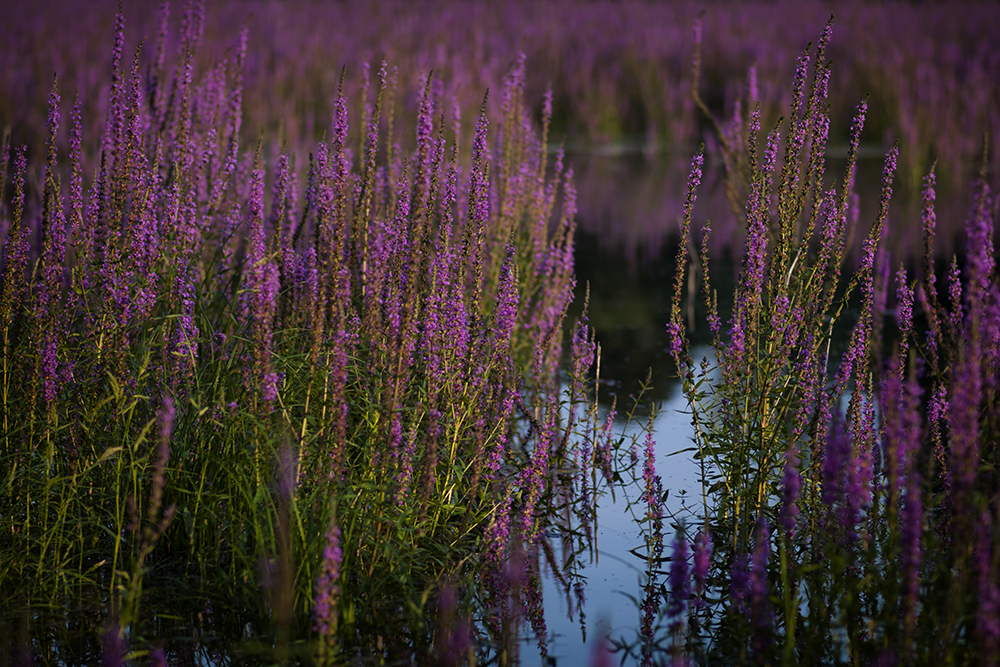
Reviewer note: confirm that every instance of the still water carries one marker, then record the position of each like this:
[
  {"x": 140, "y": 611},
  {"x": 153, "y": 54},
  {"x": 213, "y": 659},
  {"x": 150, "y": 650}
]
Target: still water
[
  {"x": 629, "y": 306},
  {"x": 629, "y": 215},
  {"x": 617, "y": 573}
]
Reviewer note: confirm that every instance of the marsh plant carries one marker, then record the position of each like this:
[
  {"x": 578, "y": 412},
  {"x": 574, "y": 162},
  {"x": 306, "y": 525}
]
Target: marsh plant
[
  {"x": 311, "y": 421},
  {"x": 322, "y": 403},
  {"x": 850, "y": 501}
]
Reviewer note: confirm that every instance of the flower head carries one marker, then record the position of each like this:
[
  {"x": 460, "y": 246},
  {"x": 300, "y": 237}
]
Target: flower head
[{"x": 680, "y": 582}]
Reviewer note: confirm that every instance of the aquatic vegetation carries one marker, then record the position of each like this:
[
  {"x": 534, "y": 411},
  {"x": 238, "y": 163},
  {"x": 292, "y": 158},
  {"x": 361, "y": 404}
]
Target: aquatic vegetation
[
  {"x": 851, "y": 501},
  {"x": 289, "y": 373},
  {"x": 325, "y": 411},
  {"x": 619, "y": 76}
]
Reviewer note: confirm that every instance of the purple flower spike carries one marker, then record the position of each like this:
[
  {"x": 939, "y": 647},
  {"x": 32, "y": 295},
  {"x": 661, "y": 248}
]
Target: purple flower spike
[
  {"x": 702, "y": 562},
  {"x": 694, "y": 181},
  {"x": 680, "y": 582},
  {"x": 937, "y": 412},
  {"x": 928, "y": 220},
  {"x": 955, "y": 294},
  {"x": 979, "y": 232},
  {"x": 478, "y": 187},
  {"x": 498, "y": 533},
  {"x": 425, "y": 138},
  {"x": 328, "y": 585},
  {"x": 790, "y": 485},
  {"x": 675, "y": 328},
  {"x": 904, "y": 297},
  {"x": 888, "y": 172},
  {"x": 49, "y": 324},
  {"x": 269, "y": 388},
  {"x": 508, "y": 296},
  {"x": 988, "y": 610},
  {"x": 17, "y": 245},
  {"x": 857, "y": 125},
  {"x": 185, "y": 339},
  {"x": 799, "y": 82},
  {"x": 760, "y": 603},
  {"x": 676, "y": 332},
  {"x": 651, "y": 496},
  {"x": 260, "y": 298},
  {"x": 739, "y": 585}
]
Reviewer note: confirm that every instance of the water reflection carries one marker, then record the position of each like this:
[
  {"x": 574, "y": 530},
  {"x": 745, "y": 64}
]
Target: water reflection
[
  {"x": 633, "y": 204},
  {"x": 615, "y": 578},
  {"x": 629, "y": 308}
]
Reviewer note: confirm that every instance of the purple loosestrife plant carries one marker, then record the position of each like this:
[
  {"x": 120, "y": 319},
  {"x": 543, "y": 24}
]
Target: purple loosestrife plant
[
  {"x": 260, "y": 303},
  {"x": 652, "y": 528},
  {"x": 651, "y": 497},
  {"x": 678, "y": 341},
  {"x": 754, "y": 422},
  {"x": 48, "y": 298},
  {"x": 761, "y": 613},
  {"x": 81, "y": 235},
  {"x": 938, "y": 409},
  {"x": 680, "y": 584},
  {"x": 904, "y": 299},
  {"x": 748, "y": 301},
  {"x": 17, "y": 244},
  {"x": 829, "y": 447},
  {"x": 505, "y": 316},
  {"x": 378, "y": 321},
  {"x": 327, "y": 609}
]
